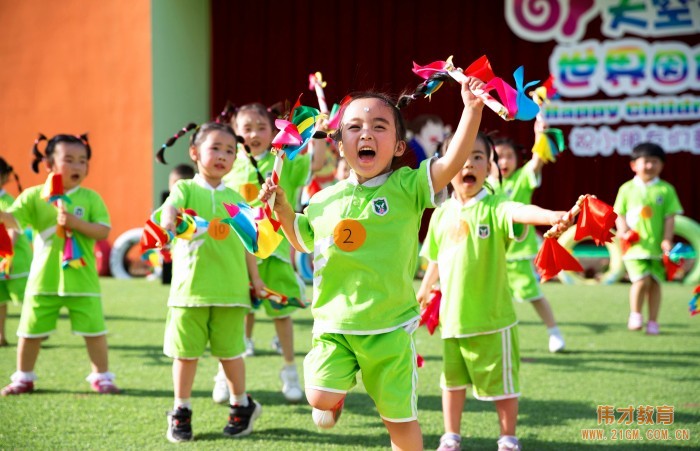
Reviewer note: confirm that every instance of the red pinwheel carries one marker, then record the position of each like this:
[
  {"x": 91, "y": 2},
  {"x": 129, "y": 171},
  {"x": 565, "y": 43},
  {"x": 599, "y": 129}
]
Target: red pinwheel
[{"x": 596, "y": 220}]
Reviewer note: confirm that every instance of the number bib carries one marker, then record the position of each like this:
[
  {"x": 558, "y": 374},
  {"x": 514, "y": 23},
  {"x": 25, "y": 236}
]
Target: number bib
[
  {"x": 249, "y": 191},
  {"x": 218, "y": 230},
  {"x": 349, "y": 235}
]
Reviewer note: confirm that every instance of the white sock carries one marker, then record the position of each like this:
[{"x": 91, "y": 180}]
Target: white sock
[
  {"x": 553, "y": 331},
  {"x": 185, "y": 403},
  {"x": 23, "y": 376},
  {"x": 239, "y": 400}
]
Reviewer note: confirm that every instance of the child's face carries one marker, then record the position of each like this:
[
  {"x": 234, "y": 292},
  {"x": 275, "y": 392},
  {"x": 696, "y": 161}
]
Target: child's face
[
  {"x": 214, "y": 156},
  {"x": 430, "y": 136},
  {"x": 255, "y": 129},
  {"x": 342, "y": 170},
  {"x": 507, "y": 160},
  {"x": 71, "y": 161},
  {"x": 368, "y": 139},
  {"x": 647, "y": 168},
  {"x": 470, "y": 179}
]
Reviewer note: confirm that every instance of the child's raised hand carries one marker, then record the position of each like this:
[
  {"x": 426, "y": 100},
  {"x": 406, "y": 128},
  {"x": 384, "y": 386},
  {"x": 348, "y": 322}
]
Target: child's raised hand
[
  {"x": 266, "y": 191},
  {"x": 168, "y": 218},
  {"x": 562, "y": 220},
  {"x": 468, "y": 86}
]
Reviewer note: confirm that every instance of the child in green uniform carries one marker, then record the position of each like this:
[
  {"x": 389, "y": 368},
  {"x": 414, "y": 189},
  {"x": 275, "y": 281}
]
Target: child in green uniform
[
  {"x": 50, "y": 285},
  {"x": 209, "y": 293},
  {"x": 518, "y": 185},
  {"x": 363, "y": 232},
  {"x": 255, "y": 125},
  {"x": 13, "y": 283},
  {"x": 647, "y": 205},
  {"x": 466, "y": 247}
]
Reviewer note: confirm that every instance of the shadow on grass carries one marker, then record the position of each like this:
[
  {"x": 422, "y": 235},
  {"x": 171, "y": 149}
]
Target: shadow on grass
[{"x": 307, "y": 439}]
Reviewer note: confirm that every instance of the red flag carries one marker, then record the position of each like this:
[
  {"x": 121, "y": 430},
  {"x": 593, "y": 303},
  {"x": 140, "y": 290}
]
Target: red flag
[
  {"x": 481, "y": 69},
  {"x": 5, "y": 242},
  {"x": 628, "y": 239},
  {"x": 419, "y": 361},
  {"x": 553, "y": 258},
  {"x": 431, "y": 315},
  {"x": 671, "y": 266},
  {"x": 595, "y": 220}
]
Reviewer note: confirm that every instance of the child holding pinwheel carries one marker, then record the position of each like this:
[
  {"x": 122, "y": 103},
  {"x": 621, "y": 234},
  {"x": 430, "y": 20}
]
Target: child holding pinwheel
[
  {"x": 64, "y": 272},
  {"x": 209, "y": 293},
  {"x": 466, "y": 246},
  {"x": 518, "y": 184},
  {"x": 14, "y": 267},
  {"x": 363, "y": 232},
  {"x": 254, "y": 163},
  {"x": 646, "y": 206}
]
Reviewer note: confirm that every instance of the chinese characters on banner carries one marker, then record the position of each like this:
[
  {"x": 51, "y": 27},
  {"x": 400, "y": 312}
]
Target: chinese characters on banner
[{"x": 647, "y": 81}]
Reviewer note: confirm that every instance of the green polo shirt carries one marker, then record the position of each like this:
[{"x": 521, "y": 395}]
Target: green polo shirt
[
  {"x": 22, "y": 258},
  {"x": 469, "y": 242},
  {"x": 364, "y": 284},
  {"x": 209, "y": 270}
]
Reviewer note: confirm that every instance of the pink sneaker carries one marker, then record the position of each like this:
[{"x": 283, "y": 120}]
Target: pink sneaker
[
  {"x": 652, "y": 328},
  {"x": 103, "y": 383},
  {"x": 635, "y": 321},
  {"x": 18, "y": 388}
]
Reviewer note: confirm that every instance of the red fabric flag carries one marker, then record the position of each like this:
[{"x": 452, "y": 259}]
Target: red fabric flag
[
  {"x": 5, "y": 242},
  {"x": 671, "y": 266},
  {"x": 153, "y": 236},
  {"x": 419, "y": 360},
  {"x": 595, "y": 220},
  {"x": 481, "y": 69},
  {"x": 431, "y": 315},
  {"x": 553, "y": 258},
  {"x": 628, "y": 239}
]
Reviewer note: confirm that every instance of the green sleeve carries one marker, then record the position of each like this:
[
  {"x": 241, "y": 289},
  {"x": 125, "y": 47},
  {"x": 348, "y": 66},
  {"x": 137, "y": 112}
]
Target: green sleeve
[
  {"x": 23, "y": 208},
  {"x": 620, "y": 206},
  {"x": 178, "y": 196},
  {"x": 304, "y": 232},
  {"x": 98, "y": 211},
  {"x": 673, "y": 204}
]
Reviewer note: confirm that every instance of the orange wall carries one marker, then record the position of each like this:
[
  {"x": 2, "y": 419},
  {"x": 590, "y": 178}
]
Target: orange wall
[{"x": 72, "y": 66}]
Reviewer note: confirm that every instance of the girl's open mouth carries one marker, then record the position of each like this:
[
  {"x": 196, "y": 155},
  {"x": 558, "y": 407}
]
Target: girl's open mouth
[
  {"x": 469, "y": 179},
  {"x": 366, "y": 154}
]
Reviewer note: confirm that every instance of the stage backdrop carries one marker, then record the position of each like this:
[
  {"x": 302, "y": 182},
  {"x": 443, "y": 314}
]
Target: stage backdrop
[{"x": 265, "y": 50}]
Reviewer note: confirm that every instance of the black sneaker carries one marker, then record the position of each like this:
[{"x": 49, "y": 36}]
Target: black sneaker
[
  {"x": 240, "y": 419},
  {"x": 180, "y": 425}
]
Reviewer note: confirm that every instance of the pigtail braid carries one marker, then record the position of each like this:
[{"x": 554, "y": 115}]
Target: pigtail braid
[
  {"x": 159, "y": 155},
  {"x": 38, "y": 156},
  {"x": 227, "y": 113},
  {"x": 252, "y": 159}
]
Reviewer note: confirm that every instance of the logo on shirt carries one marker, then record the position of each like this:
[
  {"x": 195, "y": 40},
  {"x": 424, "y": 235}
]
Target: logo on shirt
[
  {"x": 79, "y": 212},
  {"x": 380, "y": 206},
  {"x": 659, "y": 200},
  {"x": 484, "y": 231}
]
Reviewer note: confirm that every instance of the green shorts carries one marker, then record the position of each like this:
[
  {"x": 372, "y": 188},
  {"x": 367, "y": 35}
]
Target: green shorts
[
  {"x": 387, "y": 362},
  {"x": 12, "y": 290},
  {"x": 280, "y": 277},
  {"x": 40, "y": 315},
  {"x": 639, "y": 269},
  {"x": 522, "y": 279},
  {"x": 189, "y": 329},
  {"x": 489, "y": 362}
]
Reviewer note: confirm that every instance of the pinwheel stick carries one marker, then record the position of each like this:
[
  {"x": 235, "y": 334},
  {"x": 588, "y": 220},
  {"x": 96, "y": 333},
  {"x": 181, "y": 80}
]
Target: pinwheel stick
[
  {"x": 554, "y": 232},
  {"x": 458, "y": 74},
  {"x": 276, "y": 171},
  {"x": 323, "y": 106}
]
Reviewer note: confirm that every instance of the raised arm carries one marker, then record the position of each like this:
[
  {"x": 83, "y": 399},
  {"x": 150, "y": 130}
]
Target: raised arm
[
  {"x": 442, "y": 170},
  {"x": 532, "y": 214}
]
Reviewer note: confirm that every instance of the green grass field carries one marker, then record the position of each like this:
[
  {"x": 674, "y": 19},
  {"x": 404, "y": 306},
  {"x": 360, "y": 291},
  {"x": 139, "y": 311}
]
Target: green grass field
[{"x": 605, "y": 365}]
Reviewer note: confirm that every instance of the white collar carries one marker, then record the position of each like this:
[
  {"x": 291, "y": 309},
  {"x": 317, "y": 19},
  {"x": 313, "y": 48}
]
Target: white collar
[
  {"x": 474, "y": 200},
  {"x": 199, "y": 180},
  {"x": 371, "y": 183},
  {"x": 261, "y": 156},
  {"x": 641, "y": 182},
  {"x": 72, "y": 190}
]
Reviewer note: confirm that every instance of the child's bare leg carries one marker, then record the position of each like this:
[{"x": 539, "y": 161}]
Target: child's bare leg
[
  {"x": 27, "y": 353},
  {"x": 452, "y": 408},
  {"x": 235, "y": 375},
  {"x": 3, "y": 317},
  {"x": 544, "y": 311},
  {"x": 249, "y": 323},
  {"x": 183, "y": 377},
  {"x": 638, "y": 292},
  {"x": 323, "y": 400},
  {"x": 97, "y": 351},
  {"x": 654, "y": 294},
  {"x": 507, "y": 415},
  {"x": 285, "y": 333},
  {"x": 405, "y": 436}
]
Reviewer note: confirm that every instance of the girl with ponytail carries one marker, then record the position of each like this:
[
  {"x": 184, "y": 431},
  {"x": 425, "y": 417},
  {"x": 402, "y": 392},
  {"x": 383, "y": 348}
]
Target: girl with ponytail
[{"x": 363, "y": 232}]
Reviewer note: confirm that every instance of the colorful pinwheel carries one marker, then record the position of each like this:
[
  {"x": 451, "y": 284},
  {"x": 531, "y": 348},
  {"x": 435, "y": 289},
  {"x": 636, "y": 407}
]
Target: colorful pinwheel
[
  {"x": 277, "y": 300},
  {"x": 549, "y": 144},
  {"x": 675, "y": 258},
  {"x": 52, "y": 192},
  {"x": 254, "y": 228},
  {"x": 693, "y": 304}
]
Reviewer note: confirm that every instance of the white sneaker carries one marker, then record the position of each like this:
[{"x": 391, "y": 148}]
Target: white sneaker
[
  {"x": 249, "y": 348},
  {"x": 220, "y": 394},
  {"x": 556, "y": 343},
  {"x": 508, "y": 443},
  {"x": 275, "y": 345},
  {"x": 290, "y": 384}
]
